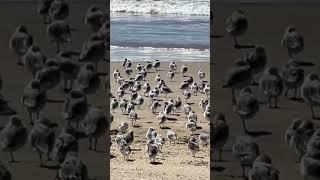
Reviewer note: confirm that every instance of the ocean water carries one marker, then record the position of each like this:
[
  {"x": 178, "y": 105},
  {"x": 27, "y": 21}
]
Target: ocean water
[{"x": 168, "y": 30}]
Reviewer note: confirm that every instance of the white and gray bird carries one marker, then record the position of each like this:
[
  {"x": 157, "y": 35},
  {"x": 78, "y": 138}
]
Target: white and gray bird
[
  {"x": 50, "y": 75},
  {"x": 123, "y": 105},
  {"x": 146, "y": 88},
  {"x": 13, "y": 136},
  {"x": 125, "y": 149},
  {"x": 263, "y": 168},
  {"x": 172, "y": 136},
  {"x": 20, "y": 41},
  {"x": 220, "y": 133},
  {"x": 156, "y": 64},
  {"x": 310, "y": 92},
  {"x": 133, "y": 117},
  {"x": 161, "y": 118},
  {"x": 193, "y": 146},
  {"x": 59, "y": 32},
  {"x": 204, "y": 139},
  {"x": 191, "y": 126},
  {"x": 184, "y": 69},
  {"x": 43, "y": 10},
  {"x": 59, "y": 10},
  {"x": 165, "y": 89},
  {"x": 194, "y": 88},
  {"x": 170, "y": 74},
  {"x": 88, "y": 79},
  {"x": 293, "y": 77},
  {"x": 139, "y": 101},
  {"x": 34, "y": 59},
  {"x": 95, "y": 18},
  {"x": 5, "y": 174},
  {"x": 201, "y": 74},
  {"x": 293, "y": 41},
  {"x": 172, "y": 66},
  {"x": 186, "y": 94},
  {"x": 114, "y": 104},
  {"x": 123, "y": 127}
]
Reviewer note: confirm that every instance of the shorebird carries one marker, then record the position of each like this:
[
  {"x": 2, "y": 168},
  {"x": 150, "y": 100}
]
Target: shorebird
[
  {"x": 186, "y": 108},
  {"x": 59, "y": 32},
  {"x": 128, "y": 71},
  {"x": 13, "y": 136},
  {"x": 114, "y": 104},
  {"x": 292, "y": 129},
  {"x": 88, "y": 79},
  {"x": 310, "y": 92},
  {"x": 293, "y": 41},
  {"x": 49, "y": 76},
  {"x": 311, "y": 161},
  {"x": 237, "y": 78},
  {"x": 153, "y": 151},
  {"x": 59, "y": 10},
  {"x": 186, "y": 95},
  {"x": 120, "y": 92},
  {"x": 34, "y": 59},
  {"x": 257, "y": 60},
  {"x": 201, "y": 74},
  {"x": 191, "y": 126},
  {"x": 193, "y": 146},
  {"x": 75, "y": 107},
  {"x": 125, "y": 149},
  {"x": 300, "y": 138},
  {"x": 139, "y": 77},
  {"x": 246, "y": 107},
  {"x": 34, "y": 99},
  {"x": 157, "y": 78},
  {"x": 41, "y": 138},
  {"x": 136, "y": 87},
  {"x": 194, "y": 88},
  {"x": 139, "y": 67},
  {"x": 151, "y": 133},
  {"x": 204, "y": 139},
  {"x": 154, "y": 106},
  {"x": 93, "y": 50},
  {"x": 43, "y": 10},
  {"x": 161, "y": 118},
  {"x": 165, "y": 89},
  {"x": 192, "y": 116},
  {"x": 172, "y": 66},
  {"x": 146, "y": 88},
  {"x": 73, "y": 167},
  {"x": 116, "y": 74},
  {"x": 206, "y": 115},
  {"x": 149, "y": 66},
  {"x": 20, "y": 41},
  {"x": 133, "y": 117},
  {"x": 95, "y": 18},
  {"x": 156, "y": 64},
  {"x": 184, "y": 69},
  {"x": 5, "y": 174},
  {"x": 220, "y": 133},
  {"x": 246, "y": 150},
  {"x": 201, "y": 85},
  {"x": 263, "y": 168},
  {"x": 203, "y": 103},
  {"x": 236, "y": 26},
  {"x": 129, "y": 138},
  {"x": 69, "y": 68},
  {"x": 172, "y": 136},
  {"x": 170, "y": 74},
  {"x": 177, "y": 104},
  {"x": 65, "y": 142},
  {"x": 293, "y": 77},
  {"x": 5, "y": 109},
  {"x": 271, "y": 84},
  {"x": 139, "y": 101},
  {"x": 94, "y": 125},
  {"x": 123, "y": 127},
  {"x": 128, "y": 64},
  {"x": 123, "y": 105}
]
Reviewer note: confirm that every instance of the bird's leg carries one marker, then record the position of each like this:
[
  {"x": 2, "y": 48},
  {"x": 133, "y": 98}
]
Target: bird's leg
[
  {"x": 233, "y": 97},
  {"x": 312, "y": 111},
  {"x": 30, "y": 117},
  {"x": 95, "y": 144},
  {"x": 243, "y": 171},
  {"x": 40, "y": 157},
  {"x": 269, "y": 102},
  {"x": 48, "y": 156},
  {"x": 220, "y": 154},
  {"x": 296, "y": 93},
  {"x": 235, "y": 41},
  {"x": 276, "y": 102},
  {"x": 71, "y": 85},
  {"x": 58, "y": 47},
  {"x": 12, "y": 158},
  {"x": 65, "y": 84},
  {"x": 286, "y": 92},
  {"x": 244, "y": 126}
]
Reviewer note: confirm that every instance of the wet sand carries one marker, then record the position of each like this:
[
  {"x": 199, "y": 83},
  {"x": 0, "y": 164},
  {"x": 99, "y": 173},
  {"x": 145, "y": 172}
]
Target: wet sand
[
  {"x": 266, "y": 26},
  {"x": 176, "y": 161}
]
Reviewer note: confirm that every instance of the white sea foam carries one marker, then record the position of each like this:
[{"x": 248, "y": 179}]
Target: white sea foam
[
  {"x": 164, "y": 54},
  {"x": 184, "y": 7}
]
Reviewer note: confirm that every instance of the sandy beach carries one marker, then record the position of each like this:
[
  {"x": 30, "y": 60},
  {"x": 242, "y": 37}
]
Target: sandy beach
[
  {"x": 267, "y": 24},
  {"x": 15, "y": 79},
  {"x": 176, "y": 161}
]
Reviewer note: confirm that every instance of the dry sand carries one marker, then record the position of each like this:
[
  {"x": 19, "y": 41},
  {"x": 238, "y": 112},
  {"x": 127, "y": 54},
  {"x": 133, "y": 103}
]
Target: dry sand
[
  {"x": 176, "y": 161},
  {"x": 266, "y": 26},
  {"x": 15, "y": 79}
]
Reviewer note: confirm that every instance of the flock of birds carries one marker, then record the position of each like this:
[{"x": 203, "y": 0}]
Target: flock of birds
[
  {"x": 138, "y": 87},
  {"x": 81, "y": 118},
  {"x": 301, "y": 136}
]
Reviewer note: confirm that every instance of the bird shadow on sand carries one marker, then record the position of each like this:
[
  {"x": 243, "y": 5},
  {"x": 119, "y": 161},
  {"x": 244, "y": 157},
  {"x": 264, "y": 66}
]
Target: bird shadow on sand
[
  {"x": 165, "y": 127},
  {"x": 55, "y": 101},
  {"x": 189, "y": 103},
  {"x": 112, "y": 156},
  {"x": 130, "y": 160},
  {"x": 199, "y": 127},
  {"x": 7, "y": 112},
  {"x": 172, "y": 119},
  {"x": 136, "y": 149},
  {"x": 149, "y": 122},
  {"x": 51, "y": 167},
  {"x": 156, "y": 163},
  {"x": 259, "y": 133},
  {"x": 217, "y": 168},
  {"x": 137, "y": 126},
  {"x": 296, "y": 99}
]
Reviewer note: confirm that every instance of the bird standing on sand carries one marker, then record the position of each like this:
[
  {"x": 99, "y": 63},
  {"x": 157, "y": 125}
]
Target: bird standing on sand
[
  {"x": 114, "y": 104},
  {"x": 59, "y": 32},
  {"x": 293, "y": 41},
  {"x": 257, "y": 60},
  {"x": 146, "y": 88},
  {"x": 293, "y": 77},
  {"x": 191, "y": 126},
  {"x": 43, "y": 10},
  {"x": 34, "y": 99},
  {"x": 123, "y": 127},
  {"x": 69, "y": 68},
  {"x": 34, "y": 59},
  {"x": 149, "y": 66},
  {"x": 186, "y": 95},
  {"x": 170, "y": 74},
  {"x": 13, "y": 136},
  {"x": 201, "y": 74},
  {"x": 41, "y": 138},
  {"x": 236, "y": 26},
  {"x": 220, "y": 133},
  {"x": 310, "y": 92},
  {"x": 184, "y": 69},
  {"x": 246, "y": 150},
  {"x": 263, "y": 169},
  {"x": 88, "y": 79},
  {"x": 161, "y": 118},
  {"x": 246, "y": 107},
  {"x": 5, "y": 174},
  {"x": 49, "y": 76},
  {"x": 133, "y": 116},
  {"x": 272, "y": 85},
  {"x": 59, "y": 10},
  {"x": 153, "y": 151},
  {"x": 156, "y": 64},
  {"x": 204, "y": 139},
  {"x": 125, "y": 149},
  {"x": 20, "y": 41},
  {"x": 292, "y": 129},
  {"x": 94, "y": 18},
  {"x": 73, "y": 167},
  {"x": 194, "y": 88},
  {"x": 123, "y": 105},
  {"x": 94, "y": 125},
  {"x": 237, "y": 78},
  {"x": 172, "y": 66},
  {"x": 172, "y": 136},
  {"x": 193, "y": 146}
]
